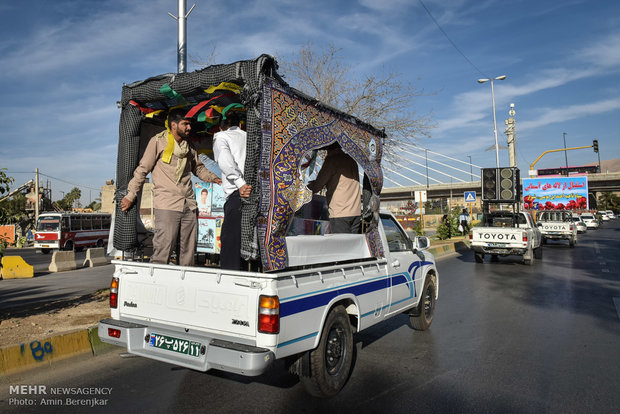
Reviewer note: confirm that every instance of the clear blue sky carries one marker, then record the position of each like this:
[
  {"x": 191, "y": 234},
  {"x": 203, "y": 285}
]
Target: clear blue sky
[{"x": 64, "y": 62}]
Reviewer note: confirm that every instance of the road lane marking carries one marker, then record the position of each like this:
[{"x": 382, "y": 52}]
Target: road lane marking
[{"x": 617, "y": 303}]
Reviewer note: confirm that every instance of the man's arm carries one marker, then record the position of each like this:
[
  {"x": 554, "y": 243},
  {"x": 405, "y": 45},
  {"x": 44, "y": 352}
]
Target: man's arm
[
  {"x": 146, "y": 165},
  {"x": 322, "y": 177}
]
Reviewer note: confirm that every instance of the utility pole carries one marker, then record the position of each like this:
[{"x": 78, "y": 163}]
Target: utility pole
[
  {"x": 511, "y": 133},
  {"x": 471, "y": 170},
  {"x": 36, "y": 195},
  {"x": 182, "y": 35},
  {"x": 426, "y": 155}
]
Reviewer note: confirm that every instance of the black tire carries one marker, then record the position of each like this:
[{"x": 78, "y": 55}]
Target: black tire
[
  {"x": 68, "y": 245},
  {"x": 538, "y": 252},
  {"x": 571, "y": 242},
  {"x": 479, "y": 257},
  {"x": 425, "y": 311},
  {"x": 100, "y": 243},
  {"x": 45, "y": 251},
  {"x": 330, "y": 362},
  {"x": 79, "y": 248}
]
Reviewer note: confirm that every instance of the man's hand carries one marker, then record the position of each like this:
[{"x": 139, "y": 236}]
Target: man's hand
[
  {"x": 126, "y": 204},
  {"x": 245, "y": 190},
  {"x": 217, "y": 181}
]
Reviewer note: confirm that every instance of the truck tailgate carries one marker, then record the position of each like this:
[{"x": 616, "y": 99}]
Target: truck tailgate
[{"x": 189, "y": 298}]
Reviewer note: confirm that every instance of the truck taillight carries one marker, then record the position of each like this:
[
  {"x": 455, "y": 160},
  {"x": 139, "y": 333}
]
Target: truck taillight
[
  {"x": 114, "y": 333},
  {"x": 114, "y": 293},
  {"x": 524, "y": 237},
  {"x": 268, "y": 314}
]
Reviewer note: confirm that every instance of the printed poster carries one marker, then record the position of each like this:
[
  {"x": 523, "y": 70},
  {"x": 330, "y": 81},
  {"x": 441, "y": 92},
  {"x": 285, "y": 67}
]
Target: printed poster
[{"x": 210, "y": 198}]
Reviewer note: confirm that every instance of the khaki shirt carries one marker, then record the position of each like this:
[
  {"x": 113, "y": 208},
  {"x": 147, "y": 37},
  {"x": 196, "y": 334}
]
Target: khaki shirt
[
  {"x": 168, "y": 195},
  {"x": 340, "y": 175}
]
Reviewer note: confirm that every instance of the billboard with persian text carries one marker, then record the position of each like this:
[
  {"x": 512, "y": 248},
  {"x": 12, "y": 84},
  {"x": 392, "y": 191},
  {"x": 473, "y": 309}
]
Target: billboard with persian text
[{"x": 556, "y": 193}]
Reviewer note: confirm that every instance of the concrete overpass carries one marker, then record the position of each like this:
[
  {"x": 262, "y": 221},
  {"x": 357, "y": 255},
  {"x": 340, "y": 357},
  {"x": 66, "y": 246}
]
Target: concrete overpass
[{"x": 597, "y": 184}]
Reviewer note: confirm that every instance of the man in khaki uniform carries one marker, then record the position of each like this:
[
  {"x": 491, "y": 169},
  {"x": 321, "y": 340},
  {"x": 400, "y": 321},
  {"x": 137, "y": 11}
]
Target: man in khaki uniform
[
  {"x": 170, "y": 160},
  {"x": 339, "y": 173}
]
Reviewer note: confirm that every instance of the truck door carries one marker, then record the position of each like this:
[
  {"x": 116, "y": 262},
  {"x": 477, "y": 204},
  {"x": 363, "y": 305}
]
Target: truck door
[{"x": 400, "y": 259}]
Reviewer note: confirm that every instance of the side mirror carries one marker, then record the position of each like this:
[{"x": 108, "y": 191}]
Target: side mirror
[{"x": 422, "y": 243}]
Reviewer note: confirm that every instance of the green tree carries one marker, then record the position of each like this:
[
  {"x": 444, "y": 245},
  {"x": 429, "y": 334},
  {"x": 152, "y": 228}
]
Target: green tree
[
  {"x": 608, "y": 201},
  {"x": 442, "y": 228},
  {"x": 5, "y": 187},
  {"x": 69, "y": 199}
]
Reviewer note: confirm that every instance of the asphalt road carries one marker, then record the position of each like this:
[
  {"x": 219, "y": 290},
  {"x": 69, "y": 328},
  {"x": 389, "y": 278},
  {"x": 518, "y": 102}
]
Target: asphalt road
[{"x": 506, "y": 338}]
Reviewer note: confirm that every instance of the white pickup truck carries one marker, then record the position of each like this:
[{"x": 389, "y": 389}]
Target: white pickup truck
[
  {"x": 505, "y": 233},
  {"x": 557, "y": 225},
  {"x": 308, "y": 290},
  {"x": 208, "y": 318}
]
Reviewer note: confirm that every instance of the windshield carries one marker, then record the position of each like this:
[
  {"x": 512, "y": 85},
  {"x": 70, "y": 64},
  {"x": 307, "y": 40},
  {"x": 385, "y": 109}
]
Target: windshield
[{"x": 47, "y": 223}]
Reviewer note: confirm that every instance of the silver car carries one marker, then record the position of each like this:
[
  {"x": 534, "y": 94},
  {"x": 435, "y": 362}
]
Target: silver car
[
  {"x": 581, "y": 226},
  {"x": 590, "y": 220}
]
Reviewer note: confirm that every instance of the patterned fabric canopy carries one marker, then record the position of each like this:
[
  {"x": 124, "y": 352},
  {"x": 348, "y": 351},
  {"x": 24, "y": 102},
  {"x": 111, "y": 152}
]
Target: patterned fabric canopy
[{"x": 282, "y": 125}]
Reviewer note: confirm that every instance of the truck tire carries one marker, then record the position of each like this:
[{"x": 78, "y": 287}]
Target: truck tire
[
  {"x": 571, "y": 242},
  {"x": 538, "y": 252},
  {"x": 543, "y": 241},
  {"x": 331, "y": 361},
  {"x": 45, "y": 251},
  {"x": 479, "y": 257},
  {"x": 422, "y": 318}
]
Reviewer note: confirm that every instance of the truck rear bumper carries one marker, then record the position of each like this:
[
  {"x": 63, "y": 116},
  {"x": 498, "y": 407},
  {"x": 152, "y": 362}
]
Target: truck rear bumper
[
  {"x": 214, "y": 353},
  {"x": 503, "y": 251}
]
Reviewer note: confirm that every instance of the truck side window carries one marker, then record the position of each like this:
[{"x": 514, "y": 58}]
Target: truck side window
[{"x": 397, "y": 240}]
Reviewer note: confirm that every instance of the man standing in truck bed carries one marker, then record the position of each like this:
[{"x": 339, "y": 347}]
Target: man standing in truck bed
[
  {"x": 339, "y": 173},
  {"x": 170, "y": 160}
]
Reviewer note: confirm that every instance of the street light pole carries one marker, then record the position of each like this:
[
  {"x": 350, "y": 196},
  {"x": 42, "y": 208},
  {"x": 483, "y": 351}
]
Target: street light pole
[
  {"x": 502, "y": 77},
  {"x": 565, "y": 154},
  {"x": 471, "y": 169}
]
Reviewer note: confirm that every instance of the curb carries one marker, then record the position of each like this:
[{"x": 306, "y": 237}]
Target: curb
[{"x": 22, "y": 357}]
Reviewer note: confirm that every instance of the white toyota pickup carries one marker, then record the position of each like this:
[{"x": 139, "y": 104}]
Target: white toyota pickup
[
  {"x": 308, "y": 290},
  {"x": 505, "y": 233},
  {"x": 557, "y": 225},
  {"x": 235, "y": 321}
]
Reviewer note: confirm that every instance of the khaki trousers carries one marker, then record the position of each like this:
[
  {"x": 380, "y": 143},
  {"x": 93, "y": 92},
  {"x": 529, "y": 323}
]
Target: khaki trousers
[{"x": 172, "y": 225}]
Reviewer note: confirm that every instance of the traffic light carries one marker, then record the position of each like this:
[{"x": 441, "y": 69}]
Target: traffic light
[
  {"x": 595, "y": 145},
  {"x": 501, "y": 185}
]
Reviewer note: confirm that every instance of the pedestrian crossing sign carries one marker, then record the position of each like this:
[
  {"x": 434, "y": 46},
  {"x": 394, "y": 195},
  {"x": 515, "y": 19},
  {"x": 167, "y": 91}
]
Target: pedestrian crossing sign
[{"x": 470, "y": 196}]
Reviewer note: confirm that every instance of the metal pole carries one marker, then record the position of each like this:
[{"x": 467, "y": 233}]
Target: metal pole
[
  {"x": 565, "y": 154},
  {"x": 36, "y": 195},
  {"x": 495, "y": 124},
  {"x": 471, "y": 169},
  {"x": 182, "y": 35}
]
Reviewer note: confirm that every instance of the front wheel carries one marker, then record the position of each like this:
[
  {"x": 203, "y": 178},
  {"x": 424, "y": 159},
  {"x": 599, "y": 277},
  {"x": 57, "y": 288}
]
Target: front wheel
[
  {"x": 422, "y": 318},
  {"x": 330, "y": 362},
  {"x": 45, "y": 251}
]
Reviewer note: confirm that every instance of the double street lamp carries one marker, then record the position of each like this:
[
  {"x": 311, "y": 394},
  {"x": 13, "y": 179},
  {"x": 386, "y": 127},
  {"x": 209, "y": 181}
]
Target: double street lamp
[{"x": 494, "y": 118}]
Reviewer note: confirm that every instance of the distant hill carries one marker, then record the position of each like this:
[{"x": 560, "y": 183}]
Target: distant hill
[{"x": 608, "y": 166}]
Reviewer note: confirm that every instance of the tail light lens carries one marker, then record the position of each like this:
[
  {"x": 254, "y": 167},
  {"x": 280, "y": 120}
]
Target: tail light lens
[
  {"x": 268, "y": 314},
  {"x": 114, "y": 333},
  {"x": 114, "y": 293},
  {"x": 524, "y": 237}
]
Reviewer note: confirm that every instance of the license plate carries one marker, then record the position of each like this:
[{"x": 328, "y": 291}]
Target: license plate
[
  {"x": 45, "y": 245},
  {"x": 496, "y": 245},
  {"x": 169, "y": 343}
]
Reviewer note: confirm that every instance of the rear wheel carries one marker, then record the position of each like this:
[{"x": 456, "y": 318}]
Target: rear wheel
[
  {"x": 528, "y": 256},
  {"x": 479, "y": 257},
  {"x": 68, "y": 245},
  {"x": 538, "y": 252},
  {"x": 572, "y": 241},
  {"x": 423, "y": 316},
  {"x": 45, "y": 251},
  {"x": 330, "y": 362},
  {"x": 99, "y": 243}
]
